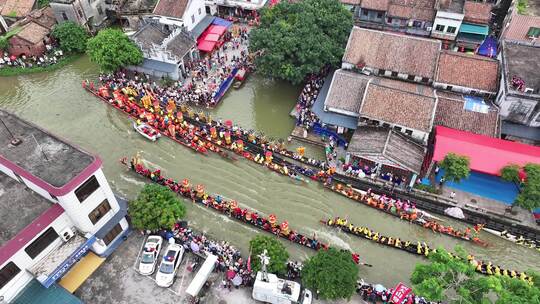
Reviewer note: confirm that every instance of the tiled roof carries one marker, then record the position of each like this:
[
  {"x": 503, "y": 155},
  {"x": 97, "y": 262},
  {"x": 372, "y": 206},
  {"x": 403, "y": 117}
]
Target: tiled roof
[
  {"x": 346, "y": 92},
  {"x": 171, "y": 8},
  {"x": 392, "y": 52},
  {"x": 477, "y": 12},
  {"x": 413, "y": 9},
  {"x": 16, "y": 8},
  {"x": 451, "y": 113},
  {"x": 471, "y": 71},
  {"x": 518, "y": 27},
  {"x": 378, "y": 5},
  {"x": 387, "y": 146},
  {"x": 33, "y": 33},
  {"x": 397, "y": 102},
  {"x": 351, "y": 2},
  {"x": 44, "y": 17},
  {"x": 151, "y": 34}
]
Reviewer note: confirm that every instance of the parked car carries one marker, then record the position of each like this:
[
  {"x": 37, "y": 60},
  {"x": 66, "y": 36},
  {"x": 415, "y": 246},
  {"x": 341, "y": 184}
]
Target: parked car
[
  {"x": 169, "y": 265},
  {"x": 150, "y": 254}
]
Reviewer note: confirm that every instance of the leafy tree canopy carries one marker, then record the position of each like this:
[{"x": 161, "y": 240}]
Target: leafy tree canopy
[
  {"x": 72, "y": 37},
  {"x": 156, "y": 207},
  {"x": 299, "y": 38},
  {"x": 332, "y": 273},
  {"x": 529, "y": 197},
  {"x": 456, "y": 167},
  {"x": 4, "y": 43},
  {"x": 455, "y": 281},
  {"x": 511, "y": 173},
  {"x": 276, "y": 251},
  {"x": 112, "y": 49}
]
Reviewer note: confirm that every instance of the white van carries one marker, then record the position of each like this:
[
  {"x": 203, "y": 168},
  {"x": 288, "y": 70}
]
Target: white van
[
  {"x": 279, "y": 291},
  {"x": 202, "y": 276}
]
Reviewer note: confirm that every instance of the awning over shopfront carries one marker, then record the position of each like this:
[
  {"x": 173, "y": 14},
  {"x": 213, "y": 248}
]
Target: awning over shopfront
[
  {"x": 469, "y": 28},
  {"x": 58, "y": 262},
  {"x": 217, "y": 29},
  {"x": 206, "y": 46},
  {"x": 222, "y": 22},
  {"x": 81, "y": 271},
  {"x": 211, "y": 38}
]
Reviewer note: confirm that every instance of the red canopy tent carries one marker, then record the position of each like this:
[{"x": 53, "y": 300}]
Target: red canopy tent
[
  {"x": 487, "y": 154},
  {"x": 217, "y": 29},
  {"x": 206, "y": 46},
  {"x": 211, "y": 37}
]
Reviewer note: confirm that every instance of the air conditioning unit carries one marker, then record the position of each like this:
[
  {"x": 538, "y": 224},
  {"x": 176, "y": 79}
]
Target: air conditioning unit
[
  {"x": 529, "y": 90},
  {"x": 67, "y": 234},
  {"x": 429, "y": 28}
]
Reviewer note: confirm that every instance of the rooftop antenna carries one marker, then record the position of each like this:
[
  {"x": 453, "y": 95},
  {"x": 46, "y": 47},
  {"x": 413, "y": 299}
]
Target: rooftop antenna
[
  {"x": 265, "y": 260},
  {"x": 40, "y": 148},
  {"x": 14, "y": 141}
]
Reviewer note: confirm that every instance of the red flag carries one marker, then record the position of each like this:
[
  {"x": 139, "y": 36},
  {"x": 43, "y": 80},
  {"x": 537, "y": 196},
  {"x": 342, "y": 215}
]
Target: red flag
[{"x": 400, "y": 293}]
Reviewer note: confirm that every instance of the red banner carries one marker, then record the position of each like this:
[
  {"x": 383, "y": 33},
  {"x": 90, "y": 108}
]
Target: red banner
[{"x": 400, "y": 293}]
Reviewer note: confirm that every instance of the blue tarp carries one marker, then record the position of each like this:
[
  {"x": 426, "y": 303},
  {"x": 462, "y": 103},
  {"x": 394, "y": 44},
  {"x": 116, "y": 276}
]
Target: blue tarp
[
  {"x": 469, "y": 28},
  {"x": 222, "y": 22},
  {"x": 225, "y": 85},
  {"x": 488, "y": 47},
  {"x": 488, "y": 186},
  {"x": 331, "y": 118}
]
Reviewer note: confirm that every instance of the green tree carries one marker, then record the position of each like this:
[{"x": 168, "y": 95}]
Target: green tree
[
  {"x": 300, "y": 37},
  {"x": 511, "y": 173},
  {"x": 72, "y": 37},
  {"x": 529, "y": 197},
  {"x": 112, "y": 49},
  {"x": 449, "y": 279},
  {"x": 276, "y": 251},
  {"x": 43, "y": 3},
  {"x": 331, "y": 273},
  {"x": 156, "y": 207},
  {"x": 4, "y": 43},
  {"x": 455, "y": 281},
  {"x": 456, "y": 167}
]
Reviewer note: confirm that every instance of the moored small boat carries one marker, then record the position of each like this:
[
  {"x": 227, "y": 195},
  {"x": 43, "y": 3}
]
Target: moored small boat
[
  {"x": 146, "y": 131},
  {"x": 239, "y": 78}
]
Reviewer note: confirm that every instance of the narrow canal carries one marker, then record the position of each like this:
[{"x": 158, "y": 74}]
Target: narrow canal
[{"x": 57, "y": 103}]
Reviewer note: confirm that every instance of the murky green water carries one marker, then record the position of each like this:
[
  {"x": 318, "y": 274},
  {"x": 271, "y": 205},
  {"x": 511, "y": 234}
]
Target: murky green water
[{"x": 57, "y": 102}]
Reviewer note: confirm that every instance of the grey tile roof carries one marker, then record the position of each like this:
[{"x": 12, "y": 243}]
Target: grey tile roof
[
  {"x": 387, "y": 146},
  {"x": 346, "y": 92}
]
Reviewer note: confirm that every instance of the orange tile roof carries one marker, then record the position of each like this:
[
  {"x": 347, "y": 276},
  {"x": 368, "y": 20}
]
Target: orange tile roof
[
  {"x": 392, "y": 52},
  {"x": 33, "y": 33},
  {"x": 378, "y": 5},
  {"x": 471, "y": 71},
  {"x": 171, "y": 8},
  {"x": 477, "y": 12},
  {"x": 518, "y": 27},
  {"x": 413, "y": 9},
  {"x": 18, "y": 8},
  {"x": 410, "y": 105}
]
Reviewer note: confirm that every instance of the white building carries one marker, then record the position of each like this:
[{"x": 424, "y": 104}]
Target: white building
[
  {"x": 56, "y": 207},
  {"x": 89, "y": 14},
  {"x": 181, "y": 13},
  {"x": 227, "y": 7}
]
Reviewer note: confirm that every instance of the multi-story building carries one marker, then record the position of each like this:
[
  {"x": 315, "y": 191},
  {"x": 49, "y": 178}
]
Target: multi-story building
[
  {"x": 89, "y": 14},
  {"x": 180, "y": 13},
  {"x": 233, "y": 7},
  {"x": 56, "y": 207}
]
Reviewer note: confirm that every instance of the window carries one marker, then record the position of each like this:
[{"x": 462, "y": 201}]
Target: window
[
  {"x": 364, "y": 12},
  {"x": 381, "y": 72},
  {"x": 389, "y": 20},
  {"x": 42, "y": 242},
  {"x": 192, "y": 18},
  {"x": 200, "y": 11},
  {"x": 394, "y": 74},
  {"x": 84, "y": 190},
  {"x": 115, "y": 231},
  {"x": 451, "y": 29},
  {"x": 64, "y": 16},
  {"x": 408, "y": 132},
  {"x": 100, "y": 10},
  {"x": 7, "y": 273},
  {"x": 439, "y": 28},
  {"x": 425, "y": 79},
  {"x": 410, "y": 77},
  {"x": 379, "y": 15},
  {"x": 396, "y": 128},
  {"x": 534, "y": 32},
  {"x": 80, "y": 13},
  {"x": 385, "y": 125},
  {"x": 99, "y": 212}
]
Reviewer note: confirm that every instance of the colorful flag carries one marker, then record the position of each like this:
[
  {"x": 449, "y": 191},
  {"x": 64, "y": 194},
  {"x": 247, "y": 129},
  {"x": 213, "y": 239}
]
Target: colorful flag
[{"x": 400, "y": 293}]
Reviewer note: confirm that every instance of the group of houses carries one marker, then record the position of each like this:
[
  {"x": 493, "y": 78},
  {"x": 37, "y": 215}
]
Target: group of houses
[{"x": 423, "y": 78}]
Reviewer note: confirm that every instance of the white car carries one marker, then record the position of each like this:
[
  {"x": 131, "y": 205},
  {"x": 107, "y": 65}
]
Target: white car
[
  {"x": 169, "y": 264},
  {"x": 150, "y": 254}
]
